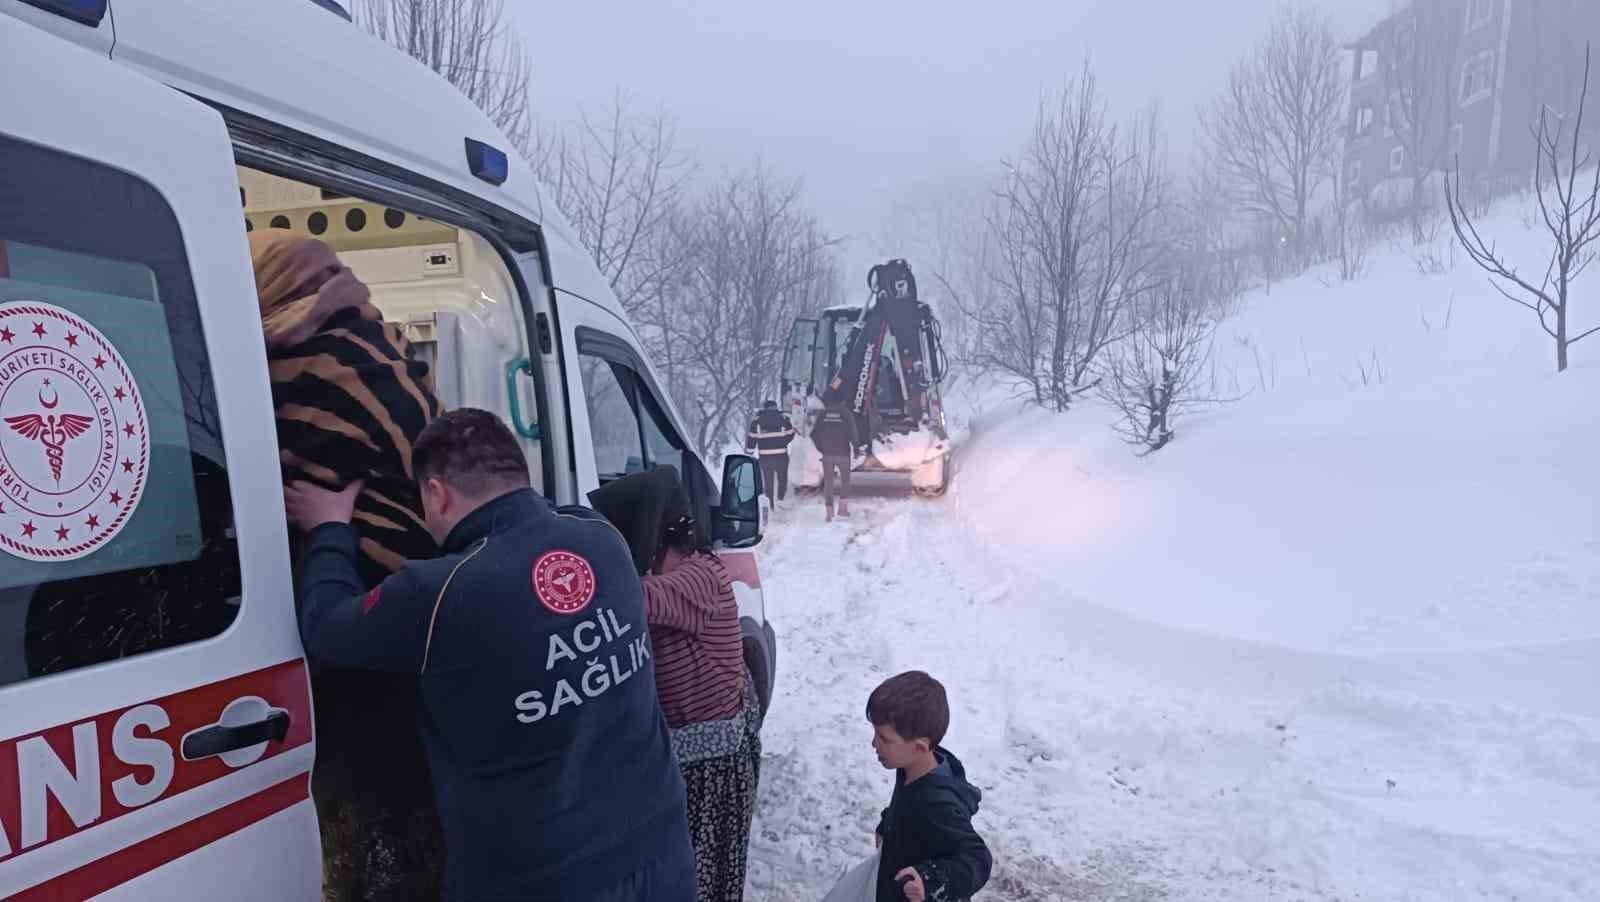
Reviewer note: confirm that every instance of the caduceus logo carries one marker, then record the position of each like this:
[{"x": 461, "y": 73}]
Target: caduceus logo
[
  {"x": 75, "y": 442},
  {"x": 50, "y": 429}
]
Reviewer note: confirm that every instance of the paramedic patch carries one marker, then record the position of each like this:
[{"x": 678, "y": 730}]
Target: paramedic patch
[
  {"x": 563, "y": 581},
  {"x": 74, "y": 443}
]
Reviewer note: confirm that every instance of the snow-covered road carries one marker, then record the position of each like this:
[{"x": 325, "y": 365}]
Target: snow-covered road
[{"x": 1125, "y": 760}]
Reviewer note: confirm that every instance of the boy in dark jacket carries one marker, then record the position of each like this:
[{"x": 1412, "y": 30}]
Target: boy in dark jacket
[{"x": 928, "y": 849}]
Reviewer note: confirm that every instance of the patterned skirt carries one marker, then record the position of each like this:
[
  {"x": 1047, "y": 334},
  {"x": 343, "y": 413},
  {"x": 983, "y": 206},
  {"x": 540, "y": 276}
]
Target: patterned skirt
[{"x": 721, "y": 764}]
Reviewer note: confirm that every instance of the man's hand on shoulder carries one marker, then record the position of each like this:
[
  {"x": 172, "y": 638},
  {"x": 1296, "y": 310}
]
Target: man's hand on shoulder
[
  {"x": 911, "y": 884},
  {"x": 309, "y": 506}
]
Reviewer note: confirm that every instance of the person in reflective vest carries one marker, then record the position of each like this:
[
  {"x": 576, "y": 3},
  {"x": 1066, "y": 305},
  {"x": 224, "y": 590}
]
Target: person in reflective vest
[
  {"x": 769, "y": 437},
  {"x": 549, "y": 752}
]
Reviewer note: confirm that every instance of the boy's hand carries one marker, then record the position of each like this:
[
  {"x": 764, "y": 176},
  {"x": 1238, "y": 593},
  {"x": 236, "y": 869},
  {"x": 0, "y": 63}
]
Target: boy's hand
[
  {"x": 911, "y": 884},
  {"x": 309, "y": 506}
]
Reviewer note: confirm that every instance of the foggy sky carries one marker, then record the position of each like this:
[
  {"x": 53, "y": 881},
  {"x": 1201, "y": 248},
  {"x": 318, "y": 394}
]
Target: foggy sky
[{"x": 872, "y": 100}]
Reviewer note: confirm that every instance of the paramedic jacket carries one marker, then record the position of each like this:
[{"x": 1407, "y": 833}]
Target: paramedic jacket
[
  {"x": 550, "y": 757},
  {"x": 834, "y": 433},
  {"x": 770, "y": 433}
]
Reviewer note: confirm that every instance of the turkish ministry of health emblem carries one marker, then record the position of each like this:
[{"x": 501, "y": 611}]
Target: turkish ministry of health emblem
[
  {"x": 74, "y": 443},
  {"x": 564, "y": 581}
]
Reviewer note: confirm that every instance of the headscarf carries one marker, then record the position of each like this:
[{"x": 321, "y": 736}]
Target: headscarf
[
  {"x": 300, "y": 284},
  {"x": 642, "y": 506}
]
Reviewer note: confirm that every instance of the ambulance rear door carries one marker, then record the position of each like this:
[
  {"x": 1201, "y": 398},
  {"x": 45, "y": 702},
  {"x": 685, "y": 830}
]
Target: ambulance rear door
[{"x": 155, "y": 712}]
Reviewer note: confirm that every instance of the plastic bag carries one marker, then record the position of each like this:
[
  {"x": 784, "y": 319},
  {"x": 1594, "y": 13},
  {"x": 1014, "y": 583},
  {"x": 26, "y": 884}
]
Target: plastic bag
[{"x": 859, "y": 884}]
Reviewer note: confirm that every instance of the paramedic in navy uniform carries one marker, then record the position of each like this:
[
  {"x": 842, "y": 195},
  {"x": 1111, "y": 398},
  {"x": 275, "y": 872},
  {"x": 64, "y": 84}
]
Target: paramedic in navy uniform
[{"x": 551, "y": 759}]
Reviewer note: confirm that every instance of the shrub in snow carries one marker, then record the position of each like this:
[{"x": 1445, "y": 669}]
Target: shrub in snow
[{"x": 1156, "y": 374}]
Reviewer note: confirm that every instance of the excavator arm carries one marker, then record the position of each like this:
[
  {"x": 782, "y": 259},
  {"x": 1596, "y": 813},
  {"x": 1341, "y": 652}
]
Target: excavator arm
[{"x": 893, "y": 311}]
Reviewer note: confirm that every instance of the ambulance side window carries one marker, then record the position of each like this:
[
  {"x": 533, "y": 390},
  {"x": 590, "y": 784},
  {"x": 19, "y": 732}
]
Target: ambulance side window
[
  {"x": 608, "y": 390},
  {"x": 629, "y": 426},
  {"x": 116, "y": 522},
  {"x": 661, "y": 445}
]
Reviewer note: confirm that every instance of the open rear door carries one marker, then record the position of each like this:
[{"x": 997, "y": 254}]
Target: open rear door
[
  {"x": 796, "y": 384},
  {"x": 797, "y": 364},
  {"x": 155, "y": 713}
]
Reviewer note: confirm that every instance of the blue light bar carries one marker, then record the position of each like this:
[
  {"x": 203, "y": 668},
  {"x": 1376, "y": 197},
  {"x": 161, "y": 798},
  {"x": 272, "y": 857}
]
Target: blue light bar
[
  {"x": 86, "y": 12},
  {"x": 487, "y": 163}
]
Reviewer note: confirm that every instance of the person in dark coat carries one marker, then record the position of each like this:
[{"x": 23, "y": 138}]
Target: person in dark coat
[
  {"x": 927, "y": 846},
  {"x": 834, "y": 434},
  {"x": 769, "y": 437},
  {"x": 549, "y": 753}
]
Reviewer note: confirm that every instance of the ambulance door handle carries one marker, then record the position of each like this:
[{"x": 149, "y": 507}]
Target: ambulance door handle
[{"x": 217, "y": 739}]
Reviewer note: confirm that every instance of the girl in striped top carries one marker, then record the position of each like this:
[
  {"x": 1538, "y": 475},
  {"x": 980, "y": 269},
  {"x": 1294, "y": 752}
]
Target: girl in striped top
[{"x": 704, "y": 689}]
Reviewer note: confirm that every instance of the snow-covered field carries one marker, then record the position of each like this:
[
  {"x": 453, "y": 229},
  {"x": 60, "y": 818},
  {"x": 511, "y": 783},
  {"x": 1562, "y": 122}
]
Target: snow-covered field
[{"x": 1341, "y": 640}]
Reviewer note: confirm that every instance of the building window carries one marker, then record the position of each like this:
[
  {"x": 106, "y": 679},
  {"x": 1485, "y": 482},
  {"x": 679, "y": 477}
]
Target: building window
[
  {"x": 1393, "y": 114},
  {"x": 1366, "y": 64},
  {"x": 1363, "y": 125},
  {"x": 1477, "y": 78},
  {"x": 1405, "y": 39},
  {"x": 1479, "y": 13},
  {"x": 1397, "y": 158}
]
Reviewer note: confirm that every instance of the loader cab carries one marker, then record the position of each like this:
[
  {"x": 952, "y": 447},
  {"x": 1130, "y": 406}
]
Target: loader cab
[
  {"x": 817, "y": 347},
  {"x": 156, "y": 735}
]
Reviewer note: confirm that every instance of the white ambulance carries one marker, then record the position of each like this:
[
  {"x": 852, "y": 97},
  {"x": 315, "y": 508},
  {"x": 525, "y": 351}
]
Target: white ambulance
[{"x": 155, "y": 713}]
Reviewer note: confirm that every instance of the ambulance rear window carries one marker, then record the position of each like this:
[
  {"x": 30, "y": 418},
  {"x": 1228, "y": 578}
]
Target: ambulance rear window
[{"x": 116, "y": 524}]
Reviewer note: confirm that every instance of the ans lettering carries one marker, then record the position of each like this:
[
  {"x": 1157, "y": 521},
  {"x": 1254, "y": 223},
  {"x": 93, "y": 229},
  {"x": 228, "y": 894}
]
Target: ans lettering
[{"x": 144, "y": 760}]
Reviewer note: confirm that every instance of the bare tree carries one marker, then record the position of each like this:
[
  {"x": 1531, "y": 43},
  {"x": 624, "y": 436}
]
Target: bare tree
[
  {"x": 1212, "y": 234},
  {"x": 1275, "y": 131},
  {"x": 757, "y": 260},
  {"x": 1158, "y": 373},
  {"x": 618, "y": 178},
  {"x": 1570, "y": 210},
  {"x": 470, "y": 43},
  {"x": 1351, "y": 236},
  {"x": 1419, "y": 53},
  {"x": 1072, "y": 233}
]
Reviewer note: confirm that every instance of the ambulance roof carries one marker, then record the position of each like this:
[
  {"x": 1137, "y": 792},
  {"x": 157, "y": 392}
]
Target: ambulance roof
[{"x": 295, "y": 64}]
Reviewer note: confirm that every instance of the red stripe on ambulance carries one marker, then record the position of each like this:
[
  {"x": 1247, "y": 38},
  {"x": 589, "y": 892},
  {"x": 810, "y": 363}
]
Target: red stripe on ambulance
[
  {"x": 125, "y": 864},
  {"x": 75, "y": 776}
]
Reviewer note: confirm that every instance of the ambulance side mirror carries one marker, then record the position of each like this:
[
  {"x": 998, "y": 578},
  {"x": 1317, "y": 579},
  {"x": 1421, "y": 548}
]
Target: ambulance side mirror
[{"x": 739, "y": 516}]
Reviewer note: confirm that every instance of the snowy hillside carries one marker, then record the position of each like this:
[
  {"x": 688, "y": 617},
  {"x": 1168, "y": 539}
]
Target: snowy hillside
[{"x": 1341, "y": 640}]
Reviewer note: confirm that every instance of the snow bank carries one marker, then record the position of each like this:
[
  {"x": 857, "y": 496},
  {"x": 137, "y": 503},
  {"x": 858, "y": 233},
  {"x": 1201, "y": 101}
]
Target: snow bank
[{"x": 1445, "y": 500}]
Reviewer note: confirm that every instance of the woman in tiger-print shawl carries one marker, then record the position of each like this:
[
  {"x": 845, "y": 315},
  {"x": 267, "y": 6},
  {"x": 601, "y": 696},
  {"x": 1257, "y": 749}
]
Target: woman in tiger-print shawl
[
  {"x": 349, "y": 403},
  {"x": 349, "y": 398}
]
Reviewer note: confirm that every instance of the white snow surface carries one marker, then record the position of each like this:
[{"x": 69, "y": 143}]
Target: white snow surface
[{"x": 1340, "y": 640}]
